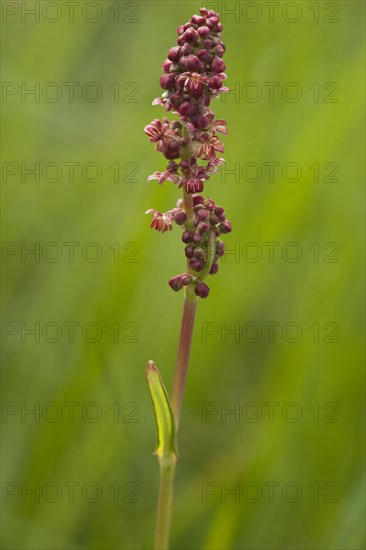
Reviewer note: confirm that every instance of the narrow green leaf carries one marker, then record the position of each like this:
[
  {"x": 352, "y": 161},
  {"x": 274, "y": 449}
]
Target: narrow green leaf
[{"x": 163, "y": 414}]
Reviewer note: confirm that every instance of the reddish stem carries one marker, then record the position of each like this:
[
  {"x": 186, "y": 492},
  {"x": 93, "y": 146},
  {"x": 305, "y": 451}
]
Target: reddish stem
[{"x": 185, "y": 340}]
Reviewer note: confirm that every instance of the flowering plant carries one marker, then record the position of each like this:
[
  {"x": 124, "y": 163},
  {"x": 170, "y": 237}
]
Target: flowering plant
[{"x": 193, "y": 76}]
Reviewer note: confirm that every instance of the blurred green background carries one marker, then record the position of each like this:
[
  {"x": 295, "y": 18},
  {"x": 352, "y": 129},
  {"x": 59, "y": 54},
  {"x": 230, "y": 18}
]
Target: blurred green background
[{"x": 293, "y": 450}]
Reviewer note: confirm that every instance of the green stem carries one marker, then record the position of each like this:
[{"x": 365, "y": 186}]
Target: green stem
[
  {"x": 163, "y": 520},
  {"x": 167, "y": 466}
]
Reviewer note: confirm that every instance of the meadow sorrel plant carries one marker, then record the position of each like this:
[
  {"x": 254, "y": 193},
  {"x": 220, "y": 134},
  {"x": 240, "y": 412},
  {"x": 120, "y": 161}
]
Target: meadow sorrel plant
[{"x": 193, "y": 76}]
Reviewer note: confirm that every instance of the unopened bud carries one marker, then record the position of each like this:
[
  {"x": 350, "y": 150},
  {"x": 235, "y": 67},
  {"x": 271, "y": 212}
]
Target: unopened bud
[
  {"x": 202, "y": 214},
  {"x": 187, "y": 237},
  {"x": 204, "y": 31},
  {"x": 191, "y": 35},
  {"x": 226, "y": 227},
  {"x": 201, "y": 289},
  {"x": 198, "y": 199},
  {"x": 166, "y": 65},
  {"x": 203, "y": 227},
  {"x": 218, "y": 65},
  {"x": 167, "y": 81},
  {"x": 214, "y": 268},
  {"x": 176, "y": 283},
  {"x": 196, "y": 264},
  {"x": 187, "y": 109},
  {"x": 189, "y": 251},
  {"x": 174, "y": 53},
  {"x": 180, "y": 217},
  {"x": 186, "y": 279},
  {"x": 204, "y": 55}
]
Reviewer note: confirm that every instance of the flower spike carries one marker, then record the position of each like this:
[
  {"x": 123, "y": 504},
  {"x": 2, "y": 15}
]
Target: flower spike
[{"x": 193, "y": 75}]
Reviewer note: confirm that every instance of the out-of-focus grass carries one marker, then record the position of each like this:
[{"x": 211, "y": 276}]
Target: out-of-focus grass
[{"x": 322, "y": 458}]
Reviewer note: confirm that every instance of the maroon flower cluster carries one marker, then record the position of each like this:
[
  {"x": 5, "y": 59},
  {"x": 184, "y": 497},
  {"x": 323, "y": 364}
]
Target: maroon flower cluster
[
  {"x": 203, "y": 246},
  {"x": 193, "y": 76}
]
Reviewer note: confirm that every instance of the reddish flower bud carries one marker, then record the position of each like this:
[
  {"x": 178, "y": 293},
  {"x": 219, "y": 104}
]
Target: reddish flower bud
[
  {"x": 203, "y": 228},
  {"x": 226, "y": 227},
  {"x": 196, "y": 264},
  {"x": 198, "y": 20},
  {"x": 187, "y": 237},
  {"x": 191, "y": 35},
  {"x": 180, "y": 217},
  {"x": 214, "y": 268},
  {"x": 187, "y": 49},
  {"x": 219, "y": 211},
  {"x": 176, "y": 283},
  {"x": 204, "y": 31},
  {"x": 172, "y": 150},
  {"x": 191, "y": 62},
  {"x": 204, "y": 55},
  {"x": 186, "y": 279},
  {"x": 174, "y": 53},
  {"x": 187, "y": 109},
  {"x": 219, "y": 50},
  {"x": 201, "y": 289},
  {"x": 218, "y": 65},
  {"x": 215, "y": 82},
  {"x": 201, "y": 122},
  {"x": 203, "y": 214},
  {"x": 198, "y": 199},
  {"x": 176, "y": 100},
  {"x": 197, "y": 238},
  {"x": 167, "y": 81},
  {"x": 189, "y": 251},
  {"x": 212, "y": 22},
  {"x": 166, "y": 65},
  {"x": 220, "y": 248}
]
